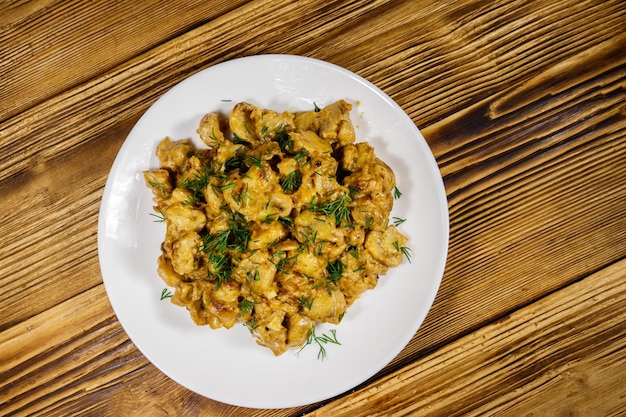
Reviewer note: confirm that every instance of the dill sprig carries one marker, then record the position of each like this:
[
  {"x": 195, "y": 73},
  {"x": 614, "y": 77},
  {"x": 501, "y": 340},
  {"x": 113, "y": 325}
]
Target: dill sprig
[
  {"x": 245, "y": 307},
  {"x": 221, "y": 269},
  {"x": 406, "y": 251},
  {"x": 288, "y": 222},
  {"x": 238, "y": 140},
  {"x": 320, "y": 341},
  {"x": 284, "y": 261},
  {"x": 196, "y": 183},
  {"x": 199, "y": 181},
  {"x": 396, "y": 193},
  {"x": 217, "y": 245},
  {"x": 309, "y": 238},
  {"x": 337, "y": 209},
  {"x": 166, "y": 293},
  {"x": 302, "y": 153},
  {"x": 236, "y": 237},
  {"x": 283, "y": 139},
  {"x": 242, "y": 197},
  {"x": 291, "y": 182},
  {"x": 306, "y": 302},
  {"x": 253, "y": 276},
  {"x": 335, "y": 270},
  {"x": 158, "y": 185},
  {"x": 159, "y": 218},
  {"x": 252, "y": 325},
  {"x": 254, "y": 161},
  {"x": 397, "y": 221}
]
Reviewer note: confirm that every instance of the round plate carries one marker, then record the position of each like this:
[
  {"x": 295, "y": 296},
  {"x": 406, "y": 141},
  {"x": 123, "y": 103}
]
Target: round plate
[{"x": 227, "y": 365}]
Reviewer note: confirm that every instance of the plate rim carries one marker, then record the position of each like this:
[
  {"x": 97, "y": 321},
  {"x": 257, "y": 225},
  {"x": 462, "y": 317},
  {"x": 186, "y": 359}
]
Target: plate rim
[{"x": 440, "y": 190}]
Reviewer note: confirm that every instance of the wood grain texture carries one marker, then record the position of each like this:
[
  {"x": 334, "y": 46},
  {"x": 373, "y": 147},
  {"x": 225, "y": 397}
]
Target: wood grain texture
[
  {"x": 569, "y": 349},
  {"x": 521, "y": 102},
  {"x": 51, "y": 46}
]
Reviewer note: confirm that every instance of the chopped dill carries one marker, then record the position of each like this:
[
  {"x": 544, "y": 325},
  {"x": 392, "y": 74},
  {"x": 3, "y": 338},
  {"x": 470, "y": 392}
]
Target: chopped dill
[
  {"x": 397, "y": 221},
  {"x": 337, "y": 209},
  {"x": 335, "y": 270},
  {"x": 242, "y": 197},
  {"x": 236, "y": 237},
  {"x": 283, "y": 261},
  {"x": 283, "y": 139},
  {"x": 221, "y": 269},
  {"x": 406, "y": 251},
  {"x": 217, "y": 245},
  {"x": 286, "y": 221},
  {"x": 245, "y": 307},
  {"x": 157, "y": 185},
  {"x": 159, "y": 218},
  {"x": 166, "y": 293},
  {"x": 199, "y": 180},
  {"x": 254, "y": 276},
  {"x": 291, "y": 182},
  {"x": 320, "y": 341},
  {"x": 252, "y": 325},
  {"x": 269, "y": 218},
  {"x": 302, "y": 153},
  {"x": 306, "y": 302}
]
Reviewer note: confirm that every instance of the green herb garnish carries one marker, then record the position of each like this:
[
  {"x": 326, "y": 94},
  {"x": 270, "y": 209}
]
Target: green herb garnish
[
  {"x": 396, "y": 193},
  {"x": 320, "y": 341},
  {"x": 397, "y": 221},
  {"x": 252, "y": 325},
  {"x": 406, "y": 251},
  {"x": 306, "y": 302},
  {"x": 236, "y": 237},
  {"x": 221, "y": 269},
  {"x": 337, "y": 209},
  {"x": 196, "y": 184},
  {"x": 166, "y": 293},
  {"x": 291, "y": 182},
  {"x": 283, "y": 139},
  {"x": 159, "y": 218},
  {"x": 286, "y": 221},
  {"x": 335, "y": 270},
  {"x": 238, "y": 140},
  {"x": 245, "y": 307}
]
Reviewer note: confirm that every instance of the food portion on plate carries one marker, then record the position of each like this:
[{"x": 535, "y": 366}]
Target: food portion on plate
[{"x": 281, "y": 222}]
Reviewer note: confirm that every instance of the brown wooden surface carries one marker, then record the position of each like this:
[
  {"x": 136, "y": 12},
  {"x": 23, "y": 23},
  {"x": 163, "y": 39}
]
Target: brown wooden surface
[{"x": 522, "y": 102}]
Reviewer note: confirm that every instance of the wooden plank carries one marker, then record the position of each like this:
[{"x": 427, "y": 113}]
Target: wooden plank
[
  {"x": 527, "y": 238},
  {"x": 76, "y": 131},
  {"x": 585, "y": 321},
  {"x": 479, "y": 234},
  {"x": 46, "y": 268},
  {"x": 65, "y": 339},
  {"x": 75, "y": 359},
  {"x": 417, "y": 80},
  {"x": 559, "y": 356},
  {"x": 506, "y": 201},
  {"x": 76, "y": 41}
]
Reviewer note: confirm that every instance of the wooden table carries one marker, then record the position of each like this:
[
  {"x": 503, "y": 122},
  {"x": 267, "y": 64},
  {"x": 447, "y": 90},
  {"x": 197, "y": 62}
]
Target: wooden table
[{"x": 522, "y": 102}]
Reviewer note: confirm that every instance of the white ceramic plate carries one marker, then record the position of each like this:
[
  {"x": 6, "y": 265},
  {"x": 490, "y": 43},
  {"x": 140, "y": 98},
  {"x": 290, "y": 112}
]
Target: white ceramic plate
[{"x": 227, "y": 365}]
